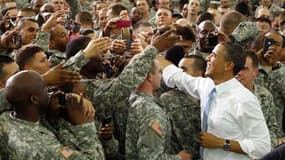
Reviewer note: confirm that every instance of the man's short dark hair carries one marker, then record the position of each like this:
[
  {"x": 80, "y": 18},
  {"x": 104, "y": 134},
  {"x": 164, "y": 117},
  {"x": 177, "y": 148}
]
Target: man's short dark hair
[
  {"x": 21, "y": 23},
  {"x": 253, "y": 58},
  {"x": 234, "y": 53},
  {"x": 243, "y": 8},
  {"x": 117, "y": 8},
  {"x": 199, "y": 64},
  {"x": 205, "y": 16},
  {"x": 263, "y": 19},
  {"x": 141, "y": 23},
  {"x": 4, "y": 60},
  {"x": 84, "y": 17},
  {"x": 186, "y": 33},
  {"x": 25, "y": 54}
]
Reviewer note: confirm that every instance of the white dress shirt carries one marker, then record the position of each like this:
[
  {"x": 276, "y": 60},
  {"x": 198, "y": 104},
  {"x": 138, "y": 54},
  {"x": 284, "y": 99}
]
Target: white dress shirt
[{"x": 235, "y": 114}]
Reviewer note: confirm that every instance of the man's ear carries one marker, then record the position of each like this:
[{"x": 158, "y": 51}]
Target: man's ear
[
  {"x": 34, "y": 99},
  {"x": 149, "y": 77},
  {"x": 229, "y": 66}
]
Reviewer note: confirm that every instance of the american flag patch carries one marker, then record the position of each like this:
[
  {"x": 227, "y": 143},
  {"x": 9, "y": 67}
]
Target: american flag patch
[{"x": 66, "y": 152}]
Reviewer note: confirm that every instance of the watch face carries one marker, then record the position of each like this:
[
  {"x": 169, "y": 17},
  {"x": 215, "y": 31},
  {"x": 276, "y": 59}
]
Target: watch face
[{"x": 227, "y": 145}]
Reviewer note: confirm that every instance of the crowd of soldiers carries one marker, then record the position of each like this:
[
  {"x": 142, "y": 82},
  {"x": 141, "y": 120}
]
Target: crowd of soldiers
[{"x": 142, "y": 79}]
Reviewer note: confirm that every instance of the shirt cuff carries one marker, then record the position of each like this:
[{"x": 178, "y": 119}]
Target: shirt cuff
[{"x": 247, "y": 146}]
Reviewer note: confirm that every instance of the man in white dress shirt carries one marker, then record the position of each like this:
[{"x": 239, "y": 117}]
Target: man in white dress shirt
[{"x": 232, "y": 122}]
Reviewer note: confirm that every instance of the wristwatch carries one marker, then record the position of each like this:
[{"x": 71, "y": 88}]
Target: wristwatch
[{"x": 227, "y": 145}]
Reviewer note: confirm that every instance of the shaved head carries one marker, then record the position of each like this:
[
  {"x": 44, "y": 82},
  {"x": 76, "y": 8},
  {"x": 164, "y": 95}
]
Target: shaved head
[{"x": 22, "y": 86}]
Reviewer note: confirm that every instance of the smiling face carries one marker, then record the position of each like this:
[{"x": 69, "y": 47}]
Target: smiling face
[
  {"x": 216, "y": 63},
  {"x": 163, "y": 17}
]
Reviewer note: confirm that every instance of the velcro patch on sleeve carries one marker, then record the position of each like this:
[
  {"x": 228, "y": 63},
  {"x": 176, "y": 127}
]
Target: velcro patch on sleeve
[
  {"x": 67, "y": 152},
  {"x": 156, "y": 127}
]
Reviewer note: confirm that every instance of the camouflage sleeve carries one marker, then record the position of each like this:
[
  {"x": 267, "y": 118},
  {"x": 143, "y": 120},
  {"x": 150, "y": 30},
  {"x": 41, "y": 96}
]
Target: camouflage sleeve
[
  {"x": 139, "y": 66},
  {"x": 42, "y": 40},
  {"x": 4, "y": 104},
  {"x": 54, "y": 60},
  {"x": 150, "y": 144},
  {"x": 269, "y": 111},
  {"x": 110, "y": 147},
  {"x": 151, "y": 131},
  {"x": 83, "y": 138},
  {"x": 76, "y": 62}
]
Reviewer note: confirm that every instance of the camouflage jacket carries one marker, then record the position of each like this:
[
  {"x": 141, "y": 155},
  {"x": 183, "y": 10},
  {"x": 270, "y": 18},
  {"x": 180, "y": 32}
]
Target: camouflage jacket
[
  {"x": 244, "y": 33},
  {"x": 204, "y": 55},
  {"x": 110, "y": 97},
  {"x": 20, "y": 139},
  {"x": 4, "y": 104},
  {"x": 184, "y": 111},
  {"x": 56, "y": 57},
  {"x": 274, "y": 82},
  {"x": 148, "y": 133},
  {"x": 269, "y": 111}
]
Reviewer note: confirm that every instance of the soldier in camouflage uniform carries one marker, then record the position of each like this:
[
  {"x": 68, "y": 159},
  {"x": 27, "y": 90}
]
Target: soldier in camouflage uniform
[
  {"x": 57, "y": 44},
  {"x": 246, "y": 76},
  {"x": 184, "y": 110},
  {"x": 272, "y": 76},
  {"x": 148, "y": 134},
  {"x": 22, "y": 135},
  {"x": 110, "y": 97}
]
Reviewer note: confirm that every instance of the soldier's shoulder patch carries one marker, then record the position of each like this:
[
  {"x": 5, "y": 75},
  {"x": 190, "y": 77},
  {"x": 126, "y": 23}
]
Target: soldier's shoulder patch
[
  {"x": 156, "y": 128},
  {"x": 66, "y": 152}
]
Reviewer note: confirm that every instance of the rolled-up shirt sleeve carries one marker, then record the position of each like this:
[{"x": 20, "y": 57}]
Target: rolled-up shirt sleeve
[
  {"x": 257, "y": 143},
  {"x": 195, "y": 86}
]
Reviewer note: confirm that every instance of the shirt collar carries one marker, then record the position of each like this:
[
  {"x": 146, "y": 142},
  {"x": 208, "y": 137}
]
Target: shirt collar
[{"x": 225, "y": 86}]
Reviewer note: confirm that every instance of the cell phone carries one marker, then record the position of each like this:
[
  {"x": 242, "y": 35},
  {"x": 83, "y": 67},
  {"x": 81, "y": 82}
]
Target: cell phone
[
  {"x": 123, "y": 24},
  {"x": 106, "y": 120},
  {"x": 61, "y": 99},
  {"x": 213, "y": 39},
  {"x": 267, "y": 43},
  {"x": 17, "y": 40}
]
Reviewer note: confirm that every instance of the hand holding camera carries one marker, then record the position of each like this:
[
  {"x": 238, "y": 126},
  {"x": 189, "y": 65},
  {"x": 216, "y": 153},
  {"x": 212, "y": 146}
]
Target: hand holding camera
[
  {"x": 11, "y": 40},
  {"x": 78, "y": 110},
  {"x": 106, "y": 128}
]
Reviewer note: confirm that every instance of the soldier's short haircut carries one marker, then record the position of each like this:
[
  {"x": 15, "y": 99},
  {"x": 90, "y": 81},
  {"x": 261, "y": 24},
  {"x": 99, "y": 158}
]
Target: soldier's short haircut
[
  {"x": 199, "y": 64},
  {"x": 234, "y": 53},
  {"x": 3, "y": 61},
  {"x": 253, "y": 57},
  {"x": 21, "y": 23},
  {"x": 117, "y": 8},
  {"x": 84, "y": 17},
  {"x": 25, "y": 54},
  {"x": 141, "y": 23}
]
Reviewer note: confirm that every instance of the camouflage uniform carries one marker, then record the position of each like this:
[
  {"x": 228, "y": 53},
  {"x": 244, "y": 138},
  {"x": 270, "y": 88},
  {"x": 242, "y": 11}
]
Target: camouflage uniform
[
  {"x": 110, "y": 96},
  {"x": 57, "y": 57},
  {"x": 184, "y": 112},
  {"x": 86, "y": 5},
  {"x": 148, "y": 130},
  {"x": 42, "y": 40},
  {"x": 4, "y": 104},
  {"x": 20, "y": 139},
  {"x": 269, "y": 111},
  {"x": 244, "y": 33},
  {"x": 274, "y": 82},
  {"x": 21, "y": 3}
]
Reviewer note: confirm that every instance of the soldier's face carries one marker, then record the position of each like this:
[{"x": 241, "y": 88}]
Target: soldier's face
[
  {"x": 163, "y": 17},
  {"x": 247, "y": 75},
  {"x": 187, "y": 65},
  {"x": 273, "y": 53},
  {"x": 61, "y": 38},
  {"x": 29, "y": 32},
  {"x": 39, "y": 63},
  {"x": 205, "y": 29}
]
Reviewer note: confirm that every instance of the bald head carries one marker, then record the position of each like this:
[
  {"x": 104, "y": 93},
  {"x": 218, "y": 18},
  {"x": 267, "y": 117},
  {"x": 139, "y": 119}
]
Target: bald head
[
  {"x": 230, "y": 21},
  {"x": 21, "y": 86}
]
